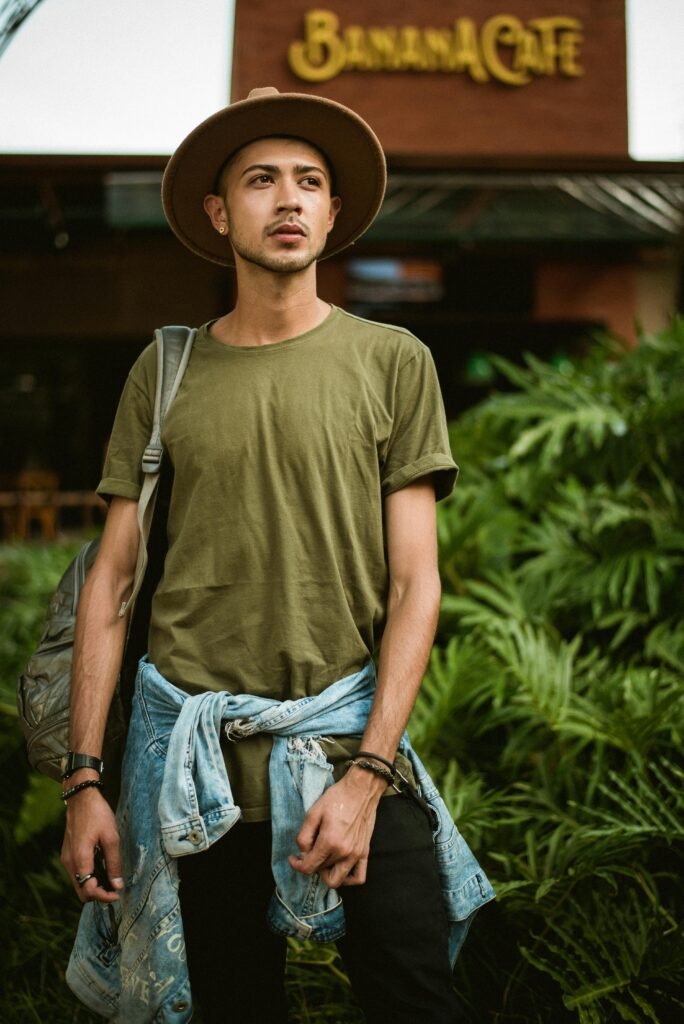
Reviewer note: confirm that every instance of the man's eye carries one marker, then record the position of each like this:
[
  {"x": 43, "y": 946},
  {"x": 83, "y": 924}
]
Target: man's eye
[
  {"x": 262, "y": 179},
  {"x": 312, "y": 181}
]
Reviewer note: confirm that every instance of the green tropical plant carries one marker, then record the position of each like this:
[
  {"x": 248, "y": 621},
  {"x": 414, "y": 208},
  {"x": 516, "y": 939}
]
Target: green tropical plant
[
  {"x": 38, "y": 912},
  {"x": 553, "y": 709},
  {"x": 552, "y": 713}
]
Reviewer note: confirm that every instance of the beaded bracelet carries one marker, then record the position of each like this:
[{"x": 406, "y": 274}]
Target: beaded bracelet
[{"x": 88, "y": 784}]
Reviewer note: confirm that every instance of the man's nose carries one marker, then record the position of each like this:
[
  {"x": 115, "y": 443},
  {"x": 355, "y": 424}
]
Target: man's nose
[{"x": 288, "y": 197}]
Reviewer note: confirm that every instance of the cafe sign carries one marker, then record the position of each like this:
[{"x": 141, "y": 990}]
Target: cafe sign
[
  {"x": 502, "y": 48},
  {"x": 449, "y": 80}
]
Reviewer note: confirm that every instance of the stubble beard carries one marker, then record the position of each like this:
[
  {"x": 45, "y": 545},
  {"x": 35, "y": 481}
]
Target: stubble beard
[{"x": 278, "y": 263}]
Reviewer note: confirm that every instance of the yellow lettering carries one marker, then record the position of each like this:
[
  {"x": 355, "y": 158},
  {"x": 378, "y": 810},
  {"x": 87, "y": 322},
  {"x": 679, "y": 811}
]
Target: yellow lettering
[
  {"x": 465, "y": 55},
  {"x": 568, "y": 55},
  {"x": 357, "y": 56},
  {"x": 321, "y": 55},
  {"x": 504, "y": 48},
  {"x": 528, "y": 55},
  {"x": 547, "y": 28},
  {"x": 412, "y": 56},
  {"x": 382, "y": 48},
  {"x": 505, "y": 30},
  {"x": 437, "y": 48}
]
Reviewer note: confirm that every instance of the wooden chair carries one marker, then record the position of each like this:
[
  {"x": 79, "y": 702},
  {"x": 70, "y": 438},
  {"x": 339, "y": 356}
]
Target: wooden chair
[{"x": 37, "y": 489}]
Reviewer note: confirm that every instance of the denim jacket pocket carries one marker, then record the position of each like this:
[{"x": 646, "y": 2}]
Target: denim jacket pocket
[
  {"x": 88, "y": 973},
  {"x": 158, "y": 704},
  {"x": 307, "y": 919}
]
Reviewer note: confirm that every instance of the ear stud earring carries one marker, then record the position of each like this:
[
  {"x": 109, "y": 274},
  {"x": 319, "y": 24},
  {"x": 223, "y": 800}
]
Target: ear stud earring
[{"x": 222, "y": 229}]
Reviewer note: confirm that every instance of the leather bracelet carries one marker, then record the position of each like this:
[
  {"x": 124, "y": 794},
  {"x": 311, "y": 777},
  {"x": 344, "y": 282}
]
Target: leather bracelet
[
  {"x": 406, "y": 788},
  {"x": 376, "y": 757},
  {"x": 88, "y": 784},
  {"x": 377, "y": 769}
]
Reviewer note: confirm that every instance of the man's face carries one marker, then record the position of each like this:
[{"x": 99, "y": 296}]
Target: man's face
[{"x": 277, "y": 204}]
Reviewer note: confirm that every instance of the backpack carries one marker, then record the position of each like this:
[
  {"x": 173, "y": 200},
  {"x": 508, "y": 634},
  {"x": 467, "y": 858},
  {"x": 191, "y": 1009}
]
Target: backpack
[{"x": 43, "y": 693}]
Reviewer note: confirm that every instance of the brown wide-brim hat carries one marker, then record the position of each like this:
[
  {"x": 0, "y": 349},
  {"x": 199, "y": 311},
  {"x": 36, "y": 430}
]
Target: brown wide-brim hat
[{"x": 350, "y": 145}]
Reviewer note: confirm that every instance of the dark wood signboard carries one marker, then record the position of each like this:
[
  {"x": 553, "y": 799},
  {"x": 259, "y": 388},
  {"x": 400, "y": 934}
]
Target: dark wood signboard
[{"x": 439, "y": 78}]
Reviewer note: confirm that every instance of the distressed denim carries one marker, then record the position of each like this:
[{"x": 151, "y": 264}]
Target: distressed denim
[{"x": 128, "y": 963}]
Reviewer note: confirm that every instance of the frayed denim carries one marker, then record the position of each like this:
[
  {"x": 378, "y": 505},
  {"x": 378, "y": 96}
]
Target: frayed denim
[{"x": 128, "y": 963}]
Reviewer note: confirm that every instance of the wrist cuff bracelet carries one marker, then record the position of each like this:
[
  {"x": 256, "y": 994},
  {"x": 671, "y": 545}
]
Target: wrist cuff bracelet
[{"x": 71, "y": 762}]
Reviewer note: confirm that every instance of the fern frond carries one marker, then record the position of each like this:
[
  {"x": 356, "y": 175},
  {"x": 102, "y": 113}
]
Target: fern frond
[
  {"x": 600, "y": 958},
  {"x": 647, "y": 804},
  {"x": 666, "y": 643},
  {"x": 457, "y": 677}
]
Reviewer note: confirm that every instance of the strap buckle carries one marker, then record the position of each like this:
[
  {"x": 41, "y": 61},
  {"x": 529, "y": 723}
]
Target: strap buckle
[{"x": 152, "y": 458}]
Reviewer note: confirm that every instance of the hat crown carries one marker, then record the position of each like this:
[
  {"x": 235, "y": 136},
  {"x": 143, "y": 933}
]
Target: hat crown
[
  {"x": 348, "y": 143},
  {"x": 267, "y": 90}
]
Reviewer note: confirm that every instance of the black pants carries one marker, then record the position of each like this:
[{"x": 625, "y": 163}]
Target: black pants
[{"x": 395, "y": 949}]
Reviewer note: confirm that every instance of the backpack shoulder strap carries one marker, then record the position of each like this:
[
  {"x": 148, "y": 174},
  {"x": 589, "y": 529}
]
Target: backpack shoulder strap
[
  {"x": 174, "y": 345},
  {"x": 173, "y": 352}
]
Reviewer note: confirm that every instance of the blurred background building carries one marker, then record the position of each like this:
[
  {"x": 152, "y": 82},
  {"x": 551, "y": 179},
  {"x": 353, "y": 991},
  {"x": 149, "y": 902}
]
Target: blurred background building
[{"x": 515, "y": 218}]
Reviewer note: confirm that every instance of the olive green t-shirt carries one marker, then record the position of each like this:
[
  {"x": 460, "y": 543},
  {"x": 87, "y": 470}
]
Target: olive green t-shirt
[{"x": 275, "y": 580}]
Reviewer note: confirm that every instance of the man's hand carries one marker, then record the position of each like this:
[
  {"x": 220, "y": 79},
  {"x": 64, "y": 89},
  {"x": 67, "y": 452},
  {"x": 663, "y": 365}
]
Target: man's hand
[
  {"x": 91, "y": 823},
  {"x": 335, "y": 837},
  {"x": 98, "y": 648}
]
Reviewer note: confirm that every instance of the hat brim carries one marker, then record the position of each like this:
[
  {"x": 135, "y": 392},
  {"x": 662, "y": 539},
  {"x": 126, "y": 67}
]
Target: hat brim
[{"x": 349, "y": 144}]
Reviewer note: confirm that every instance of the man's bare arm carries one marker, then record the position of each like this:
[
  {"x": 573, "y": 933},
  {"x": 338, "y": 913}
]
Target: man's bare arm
[
  {"x": 98, "y": 650},
  {"x": 335, "y": 836}
]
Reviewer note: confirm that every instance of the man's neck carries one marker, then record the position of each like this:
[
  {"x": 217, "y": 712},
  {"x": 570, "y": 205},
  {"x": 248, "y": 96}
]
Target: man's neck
[{"x": 272, "y": 308}]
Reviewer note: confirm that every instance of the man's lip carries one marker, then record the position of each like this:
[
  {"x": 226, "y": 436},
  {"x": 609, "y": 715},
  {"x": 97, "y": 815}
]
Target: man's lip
[{"x": 287, "y": 229}]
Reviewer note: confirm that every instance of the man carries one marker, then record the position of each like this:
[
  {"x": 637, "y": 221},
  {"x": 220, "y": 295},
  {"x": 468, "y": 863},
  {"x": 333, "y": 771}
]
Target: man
[{"x": 308, "y": 447}]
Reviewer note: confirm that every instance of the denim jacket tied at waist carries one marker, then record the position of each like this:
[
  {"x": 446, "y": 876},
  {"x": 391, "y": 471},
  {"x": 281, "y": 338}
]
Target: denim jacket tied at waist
[{"x": 128, "y": 963}]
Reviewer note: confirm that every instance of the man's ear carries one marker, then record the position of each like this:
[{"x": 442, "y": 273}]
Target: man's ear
[
  {"x": 335, "y": 207},
  {"x": 215, "y": 209}
]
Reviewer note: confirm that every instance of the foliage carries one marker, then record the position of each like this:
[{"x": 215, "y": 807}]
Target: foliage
[
  {"x": 553, "y": 709},
  {"x": 318, "y": 988},
  {"x": 29, "y": 574},
  {"x": 37, "y": 912},
  {"x": 552, "y": 713}
]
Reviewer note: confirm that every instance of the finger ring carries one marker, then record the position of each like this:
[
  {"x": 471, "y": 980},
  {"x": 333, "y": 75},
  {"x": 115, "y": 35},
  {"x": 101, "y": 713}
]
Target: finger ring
[{"x": 82, "y": 879}]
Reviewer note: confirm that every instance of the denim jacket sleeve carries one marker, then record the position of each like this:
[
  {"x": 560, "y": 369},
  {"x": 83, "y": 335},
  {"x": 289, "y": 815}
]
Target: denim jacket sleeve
[{"x": 128, "y": 963}]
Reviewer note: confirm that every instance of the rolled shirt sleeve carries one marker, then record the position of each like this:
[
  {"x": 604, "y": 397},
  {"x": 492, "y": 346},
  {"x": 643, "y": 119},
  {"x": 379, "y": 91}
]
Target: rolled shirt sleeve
[
  {"x": 419, "y": 441},
  {"x": 122, "y": 472}
]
